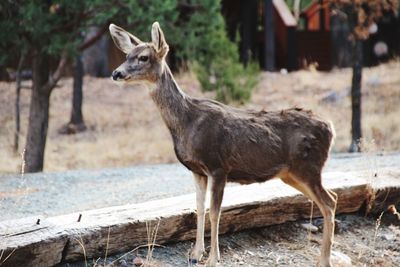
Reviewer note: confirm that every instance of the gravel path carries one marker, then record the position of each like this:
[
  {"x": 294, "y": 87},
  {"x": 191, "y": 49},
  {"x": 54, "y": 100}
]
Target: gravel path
[{"x": 50, "y": 194}]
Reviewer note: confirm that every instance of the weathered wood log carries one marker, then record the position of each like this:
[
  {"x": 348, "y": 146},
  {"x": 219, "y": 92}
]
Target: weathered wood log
[{"x": 62, "y": 238}]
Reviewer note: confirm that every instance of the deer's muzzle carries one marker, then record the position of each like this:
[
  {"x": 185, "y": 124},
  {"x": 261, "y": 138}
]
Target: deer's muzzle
[{"x": 116, "y": 75}]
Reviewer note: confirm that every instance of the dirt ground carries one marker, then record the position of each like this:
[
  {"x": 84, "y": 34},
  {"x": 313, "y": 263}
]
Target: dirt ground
[
  {"x": 358, "y": 240},
  {"x": 126, "y": 129}
]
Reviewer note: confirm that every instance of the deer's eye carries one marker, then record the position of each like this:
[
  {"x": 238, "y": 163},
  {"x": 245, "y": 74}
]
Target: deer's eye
[{"x": 143, "y": 58}]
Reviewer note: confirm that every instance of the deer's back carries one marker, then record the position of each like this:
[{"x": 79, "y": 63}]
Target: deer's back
[{"x": 252, "y": 146}]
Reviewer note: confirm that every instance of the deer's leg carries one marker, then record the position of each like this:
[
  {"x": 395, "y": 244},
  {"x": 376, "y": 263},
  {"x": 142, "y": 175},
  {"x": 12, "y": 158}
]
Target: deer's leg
[
  {"x": 201, "y": 191},
  {"x": 326, "y": 202},
  {"x": 218, "y": 182}
]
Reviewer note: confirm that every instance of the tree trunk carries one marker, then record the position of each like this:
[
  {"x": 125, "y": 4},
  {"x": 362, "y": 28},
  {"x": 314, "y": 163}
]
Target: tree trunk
[
  {"x": 38, "y": 115},
  {"x": 77, "y": 97},
  {"x": 356, "y": 97},
  {"x": 76, "y": 123},
  {"x": 269, "y": 36},
  {"x": 17, "y": 101},
  {"x": 248, "y": 30}
]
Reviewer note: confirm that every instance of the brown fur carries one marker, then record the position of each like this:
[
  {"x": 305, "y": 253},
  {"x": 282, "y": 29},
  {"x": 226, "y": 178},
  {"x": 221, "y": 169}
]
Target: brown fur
[{"x": 219, "y": 143}]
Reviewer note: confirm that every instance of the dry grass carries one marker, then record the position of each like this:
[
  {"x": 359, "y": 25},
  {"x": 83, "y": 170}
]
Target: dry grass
[
  {"x": 115, "y": 261},
  {"x": 125, "y": 127},
  {"x": 151, "y": 244},
  {"x": 4, "y": 258}
]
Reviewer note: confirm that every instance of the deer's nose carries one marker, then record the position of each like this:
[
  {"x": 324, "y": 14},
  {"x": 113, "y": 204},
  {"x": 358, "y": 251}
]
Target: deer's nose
[{"x": 116, "y": 75}]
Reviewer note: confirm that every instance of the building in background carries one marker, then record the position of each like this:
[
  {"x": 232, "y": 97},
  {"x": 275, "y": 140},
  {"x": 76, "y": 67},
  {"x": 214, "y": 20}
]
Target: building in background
[{"x": 318, "y": 36}]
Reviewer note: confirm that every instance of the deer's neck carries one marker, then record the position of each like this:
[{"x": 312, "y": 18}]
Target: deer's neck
[{"x": 171, "y": 101}]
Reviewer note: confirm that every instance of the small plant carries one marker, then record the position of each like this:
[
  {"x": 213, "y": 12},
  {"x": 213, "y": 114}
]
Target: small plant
[
  {"x": 391, "y": 209},
  {"x": 6, "y": 257},
  {"x": 377, "y": 225},
  {"x": 81, "y": 243},
  {"x": 311, "y": 217},
  {"x": 231, "y": 81},
  {"x": 151, "y": 244}
]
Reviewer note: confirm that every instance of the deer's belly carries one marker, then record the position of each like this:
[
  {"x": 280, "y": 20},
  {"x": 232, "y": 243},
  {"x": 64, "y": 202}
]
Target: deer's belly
[
  {"x": 248, "y": 178},
  {"x": 255, "y": 175}
]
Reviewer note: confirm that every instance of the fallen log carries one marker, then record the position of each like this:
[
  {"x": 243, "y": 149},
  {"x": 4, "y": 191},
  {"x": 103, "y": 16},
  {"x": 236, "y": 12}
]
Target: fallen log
[{"x": 39, "y": 241}]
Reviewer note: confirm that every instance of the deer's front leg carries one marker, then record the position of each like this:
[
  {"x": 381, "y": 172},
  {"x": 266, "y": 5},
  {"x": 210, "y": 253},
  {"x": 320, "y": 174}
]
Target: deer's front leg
[
  {"x": 217, "y": 192},
  {"x": 201, "y": 191}
]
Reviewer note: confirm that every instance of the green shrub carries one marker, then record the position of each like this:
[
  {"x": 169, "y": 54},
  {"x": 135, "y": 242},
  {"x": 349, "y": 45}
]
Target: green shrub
[
  {"x": 216, "y": 59},
  {"x": 222, "y": 72}
]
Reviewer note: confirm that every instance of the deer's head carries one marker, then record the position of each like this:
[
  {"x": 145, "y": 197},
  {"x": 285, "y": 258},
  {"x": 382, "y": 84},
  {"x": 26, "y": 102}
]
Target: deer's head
[{"x": 144, "y": 61}]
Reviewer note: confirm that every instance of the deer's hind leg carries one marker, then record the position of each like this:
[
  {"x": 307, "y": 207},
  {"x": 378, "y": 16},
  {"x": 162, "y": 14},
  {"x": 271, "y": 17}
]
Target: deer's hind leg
[{"x": 326, "y": 201}]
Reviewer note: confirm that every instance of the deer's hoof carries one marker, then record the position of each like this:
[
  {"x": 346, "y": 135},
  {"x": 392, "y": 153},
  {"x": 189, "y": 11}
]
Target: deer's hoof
[
  {"x": 193, "y": 261},
  {"x": 340, "y": 259},
  {"x": 196, "y": 255}
]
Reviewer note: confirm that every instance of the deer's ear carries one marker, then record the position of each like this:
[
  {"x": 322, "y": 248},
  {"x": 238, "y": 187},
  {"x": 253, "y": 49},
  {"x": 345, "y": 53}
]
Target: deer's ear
[
  {"x": 123, "y": 39},
  {"x": 158, "y": 39}
]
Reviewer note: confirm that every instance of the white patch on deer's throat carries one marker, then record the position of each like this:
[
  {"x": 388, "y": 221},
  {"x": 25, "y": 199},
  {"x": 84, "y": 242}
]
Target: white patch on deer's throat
[{"x": 151, "y": 85}]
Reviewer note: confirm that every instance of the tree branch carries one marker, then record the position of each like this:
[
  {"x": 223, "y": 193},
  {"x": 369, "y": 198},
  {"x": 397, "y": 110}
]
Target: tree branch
[
  {"x": 94, "y": 39},
  {"x": 63, "y": 60},
  {"x": 57, "y": 74}
]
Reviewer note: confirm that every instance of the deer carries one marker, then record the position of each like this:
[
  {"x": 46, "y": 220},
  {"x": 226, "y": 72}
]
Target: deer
[{"x": 219, "y": 143}]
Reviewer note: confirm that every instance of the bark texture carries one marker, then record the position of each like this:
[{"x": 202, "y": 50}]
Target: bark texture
[
  {"x": 38, "y": 115},
  {"x": 356, "y": 132},
  {"x": 77, "y": 96},
  {"x": 17, "y": 102},
  {"x": 42, "y": 86},
  {"x": 76, "y": 123}
]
